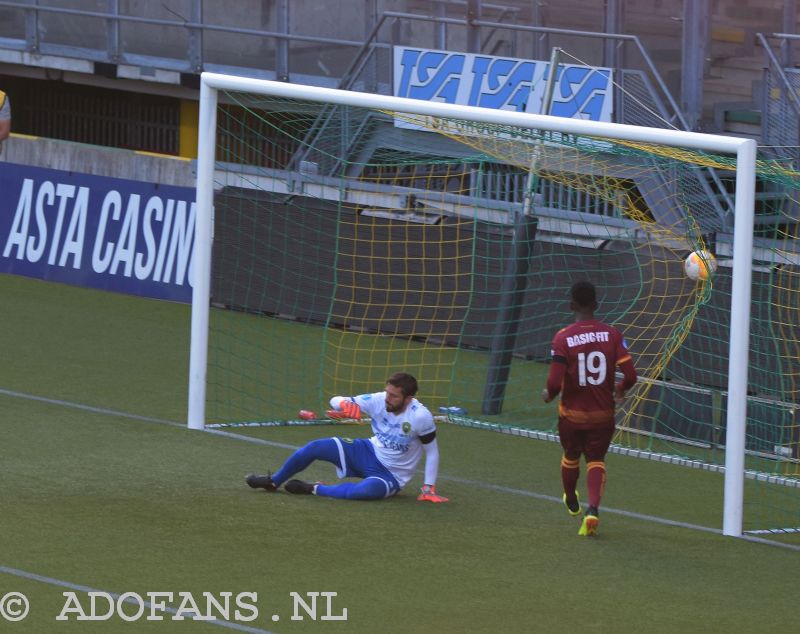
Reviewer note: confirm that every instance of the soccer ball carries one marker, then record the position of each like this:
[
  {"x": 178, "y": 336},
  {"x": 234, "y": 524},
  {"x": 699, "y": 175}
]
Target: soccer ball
[{"x": 700, "y": 265}]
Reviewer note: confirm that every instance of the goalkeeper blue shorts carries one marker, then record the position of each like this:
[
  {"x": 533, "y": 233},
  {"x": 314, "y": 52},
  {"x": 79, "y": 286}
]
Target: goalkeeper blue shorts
[{"x": 357, "y": 459}]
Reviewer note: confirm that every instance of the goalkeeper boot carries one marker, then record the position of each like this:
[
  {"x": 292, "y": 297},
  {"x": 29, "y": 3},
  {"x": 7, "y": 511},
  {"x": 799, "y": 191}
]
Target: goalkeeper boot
[
  {"x": 573, "y": 506},
  {"x": 298, "y": 487},
  {"x": 590, "y": 522},
  {"x": 265, "y": 482}
]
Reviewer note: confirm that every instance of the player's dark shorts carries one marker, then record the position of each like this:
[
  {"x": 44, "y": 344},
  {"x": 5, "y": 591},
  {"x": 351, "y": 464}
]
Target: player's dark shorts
[{"x": 591, "y": 440}]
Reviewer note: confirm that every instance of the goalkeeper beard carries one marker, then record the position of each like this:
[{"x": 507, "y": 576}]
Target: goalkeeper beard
[{"x": 394, "y": 409}]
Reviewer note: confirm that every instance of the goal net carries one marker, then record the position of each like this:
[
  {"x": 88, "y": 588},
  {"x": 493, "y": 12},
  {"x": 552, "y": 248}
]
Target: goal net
[{"x": 355, "y": 235}]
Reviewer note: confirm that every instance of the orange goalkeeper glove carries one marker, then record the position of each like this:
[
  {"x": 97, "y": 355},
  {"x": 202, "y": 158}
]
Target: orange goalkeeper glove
[
  {"x": 428, "y": 494},
  {"x": 347, "y": 409}
]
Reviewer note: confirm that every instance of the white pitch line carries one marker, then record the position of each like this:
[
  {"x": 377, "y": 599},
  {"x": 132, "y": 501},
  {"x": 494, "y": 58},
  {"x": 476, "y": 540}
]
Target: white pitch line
[
  {"x": 23, "y": 574},
  {"x": 475, "y": 483},
  {"x": 90, "y": 408},
  {"x": 252, "y": 439}
]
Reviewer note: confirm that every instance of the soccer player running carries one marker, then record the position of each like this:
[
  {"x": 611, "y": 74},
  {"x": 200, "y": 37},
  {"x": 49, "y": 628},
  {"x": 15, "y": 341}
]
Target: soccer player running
[
  {"x": 584, "y": 358},
  {"x": 403, "y": 429}
]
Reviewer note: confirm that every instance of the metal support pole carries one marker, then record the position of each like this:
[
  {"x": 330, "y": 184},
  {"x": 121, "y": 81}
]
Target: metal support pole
[
  {"x": 112, "y": 31},
  {"x": 370, "y": 67},
  {"x": 611, "y": 51},
  {"x": 282, "y": 47},
  {"x": 515, "y": 279},
  {"x": 440, "y": 28},
  {"x": 612, "y": 23},
  {"x": 695, "y": 44},
  {"x": 540, "y": 43},
  {"x": 196, "y": 38},
  {"x": 473, "y": 31},
  {"x": 32, "y": 30},
  {"x": 789, "y": 26},
  {"x": 515, "y": 275}
]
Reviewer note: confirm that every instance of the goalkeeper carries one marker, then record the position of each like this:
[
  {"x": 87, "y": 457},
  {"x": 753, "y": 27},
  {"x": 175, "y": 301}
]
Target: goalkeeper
[{"x": 403, "y": 429}]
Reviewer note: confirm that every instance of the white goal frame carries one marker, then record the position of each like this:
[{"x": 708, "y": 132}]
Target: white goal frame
[{"x": 743, "y": 149}]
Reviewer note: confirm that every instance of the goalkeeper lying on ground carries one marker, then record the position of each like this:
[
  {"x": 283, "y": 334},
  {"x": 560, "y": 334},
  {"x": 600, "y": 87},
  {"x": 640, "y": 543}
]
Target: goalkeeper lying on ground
[{"x": 403, "y": 429}]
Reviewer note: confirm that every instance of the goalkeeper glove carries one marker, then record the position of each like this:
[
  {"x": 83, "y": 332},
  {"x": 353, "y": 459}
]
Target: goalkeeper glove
[
  {"x": 347, "y": 409},
  {"x": 428, "y": 494}
]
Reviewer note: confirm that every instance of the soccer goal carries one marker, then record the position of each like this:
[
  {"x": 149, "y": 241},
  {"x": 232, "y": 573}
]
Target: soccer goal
[{"x": 342, "y": 236}]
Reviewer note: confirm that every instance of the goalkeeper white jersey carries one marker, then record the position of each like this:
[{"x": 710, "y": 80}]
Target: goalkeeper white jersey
[{"x": 396, "y": 436}]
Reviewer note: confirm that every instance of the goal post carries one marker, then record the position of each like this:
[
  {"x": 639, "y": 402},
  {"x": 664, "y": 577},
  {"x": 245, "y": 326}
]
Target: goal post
[
  {"x": 743, "y": 152},
  {"x": 201, "y": 259}
]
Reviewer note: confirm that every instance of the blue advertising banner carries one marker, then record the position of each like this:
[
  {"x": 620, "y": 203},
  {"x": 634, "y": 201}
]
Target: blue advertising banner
[
  {"x": 106, "y": 233},
  {"x": 503, "y": 83}
]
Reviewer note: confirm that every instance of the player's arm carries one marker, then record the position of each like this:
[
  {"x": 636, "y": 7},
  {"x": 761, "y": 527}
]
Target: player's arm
[
  {"x": 628, "y": 378},
  {"x": 555, "y": 378},
  {"x": 344, "y": 407},
  {"x": 431, "y": 448},
  {"x": 625, "y": 364}
]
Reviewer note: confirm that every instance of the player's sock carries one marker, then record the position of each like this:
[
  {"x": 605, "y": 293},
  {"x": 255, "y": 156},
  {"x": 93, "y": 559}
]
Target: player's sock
[
  {"x": 367, "y": 489},
  {"x": 595, "y": 481},
  {"x": 570, "y": 471},
  {"x": 321, "y": 449}
]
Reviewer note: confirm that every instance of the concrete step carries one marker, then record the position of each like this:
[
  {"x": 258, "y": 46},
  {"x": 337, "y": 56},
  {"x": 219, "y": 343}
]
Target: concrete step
[
  {"x": 743, "y": 131},
  {"x": 739, "y": 118},
  {"x": 730, "y": 33},
  {"x": 738, "y": 128},
  {"x": 742, "y": 13},
  {"x": 727, "y": 89},
  {"x": 747, "y": 64},
  {"x": 743, "y": 117}
]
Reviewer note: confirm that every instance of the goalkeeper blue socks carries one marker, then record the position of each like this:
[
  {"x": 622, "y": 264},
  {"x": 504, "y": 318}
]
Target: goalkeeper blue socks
[{"x": 321, "y": 449}]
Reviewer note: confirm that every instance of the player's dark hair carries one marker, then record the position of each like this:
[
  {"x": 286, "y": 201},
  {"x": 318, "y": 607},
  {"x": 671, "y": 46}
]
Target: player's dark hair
[
  {"x": 407, "y": 383},
  {"x": 584, "y": 294}
]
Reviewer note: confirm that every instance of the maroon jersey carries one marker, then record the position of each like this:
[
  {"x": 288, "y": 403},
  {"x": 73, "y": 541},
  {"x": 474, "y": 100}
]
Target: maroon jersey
[{"x": 585, "y": 356}]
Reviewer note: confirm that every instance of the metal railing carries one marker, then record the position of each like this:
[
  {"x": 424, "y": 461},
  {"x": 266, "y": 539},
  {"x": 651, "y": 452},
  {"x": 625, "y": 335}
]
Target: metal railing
[
  {"x": 780, "y": 123},
  {"x": 187, "y": 36},
  {"x": 196, "y": 59},
  {"x": 781, "y": 104},
  {"x": 641, "y": 104},
  {"x": 644, "y": 98}
]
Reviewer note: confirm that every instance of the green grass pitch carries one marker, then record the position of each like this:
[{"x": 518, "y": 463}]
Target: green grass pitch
[{"x": 104, "y": 488}]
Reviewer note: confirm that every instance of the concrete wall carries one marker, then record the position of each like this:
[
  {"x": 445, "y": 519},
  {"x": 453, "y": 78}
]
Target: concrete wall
[{"x": 100, "y": 161}]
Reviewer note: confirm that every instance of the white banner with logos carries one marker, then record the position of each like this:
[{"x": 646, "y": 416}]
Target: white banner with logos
[{"x": 504, "y": 83}]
